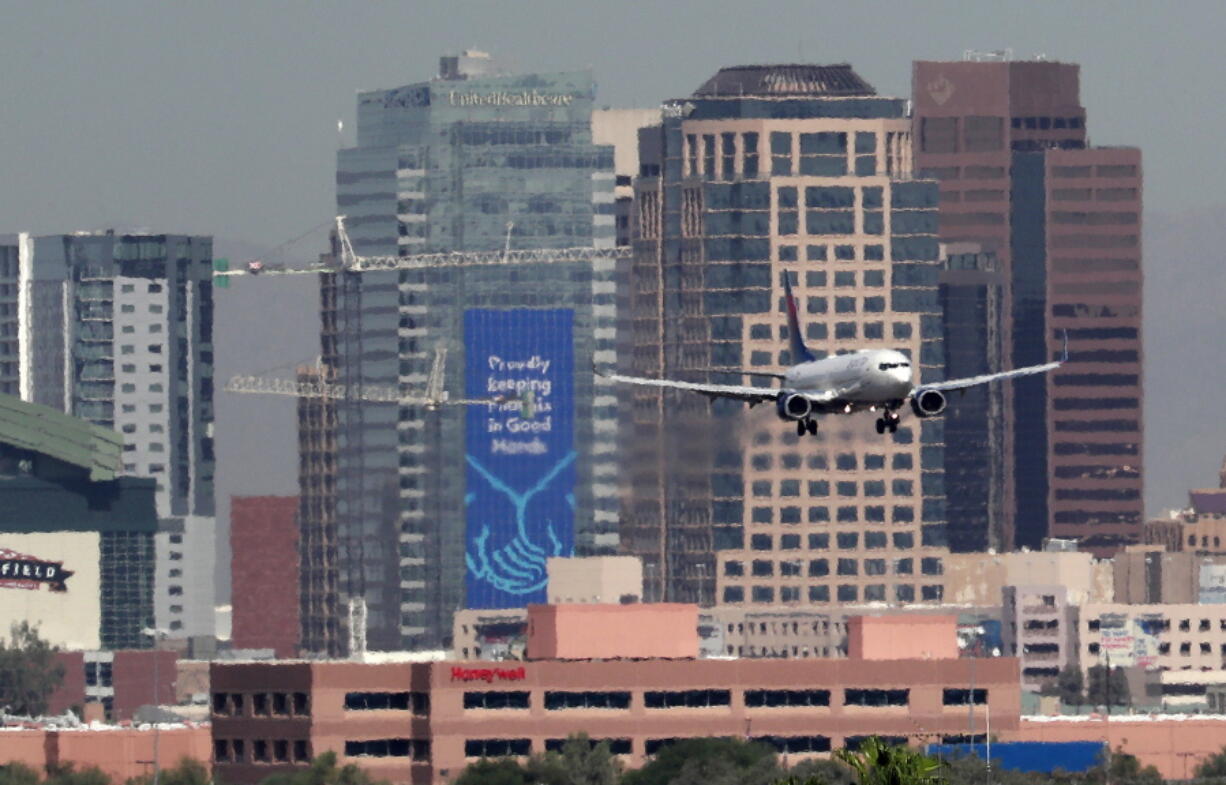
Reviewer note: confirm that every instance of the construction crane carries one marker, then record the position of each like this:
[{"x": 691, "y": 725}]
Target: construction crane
[
  {"x": 434, "y": 395},
  {"x": 432, "y": 399},
  {"x": 351, "y": 262}
]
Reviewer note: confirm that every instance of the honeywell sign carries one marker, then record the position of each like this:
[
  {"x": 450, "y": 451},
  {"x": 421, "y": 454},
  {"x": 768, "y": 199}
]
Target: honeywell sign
[{"x": 488, "y": 675}]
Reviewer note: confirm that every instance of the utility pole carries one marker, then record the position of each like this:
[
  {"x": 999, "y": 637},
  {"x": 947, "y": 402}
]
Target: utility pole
[
  {"x": 157, "y": 635},
  {"x": 1106, "y": 692}
]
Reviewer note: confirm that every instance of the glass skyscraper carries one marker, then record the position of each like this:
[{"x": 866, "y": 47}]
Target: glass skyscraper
[
  {"x": 117, "y": 329},
  {"x": 460, "y": 506}
]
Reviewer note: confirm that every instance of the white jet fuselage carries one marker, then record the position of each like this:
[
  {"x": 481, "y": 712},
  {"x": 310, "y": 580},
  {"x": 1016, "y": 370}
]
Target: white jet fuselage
[{"x": 869, "y": 377}]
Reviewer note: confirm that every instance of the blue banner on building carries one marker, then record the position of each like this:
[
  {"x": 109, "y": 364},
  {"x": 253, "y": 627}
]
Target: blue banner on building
[
  {"x": 520, "y": 475},
  {"x": 1042, "y": 757}
]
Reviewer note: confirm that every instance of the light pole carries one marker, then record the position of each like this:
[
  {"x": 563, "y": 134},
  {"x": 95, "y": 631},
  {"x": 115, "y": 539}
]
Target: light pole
[{"x": 157, "y": 635}]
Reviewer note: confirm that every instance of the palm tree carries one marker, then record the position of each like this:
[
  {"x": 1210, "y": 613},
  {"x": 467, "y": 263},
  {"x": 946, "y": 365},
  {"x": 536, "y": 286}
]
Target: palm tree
[{"x": 877, "y": 763}]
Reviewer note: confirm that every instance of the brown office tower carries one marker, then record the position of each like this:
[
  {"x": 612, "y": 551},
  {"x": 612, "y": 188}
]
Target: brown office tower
[
  {"x": 1008, "y": 142},
  {"x": 765, "y": 171}
]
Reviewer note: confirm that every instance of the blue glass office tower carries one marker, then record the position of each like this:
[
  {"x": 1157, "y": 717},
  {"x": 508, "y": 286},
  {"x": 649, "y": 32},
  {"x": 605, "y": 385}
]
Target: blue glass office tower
[{"x": 471, "y": 161}]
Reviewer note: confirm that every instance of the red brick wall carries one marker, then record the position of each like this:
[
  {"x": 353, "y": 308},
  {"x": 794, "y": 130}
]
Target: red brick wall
[
  {"x": 132, "y": 677},
  {"x": 264, "y": 573},
  {"x": 72, "y": 690}
]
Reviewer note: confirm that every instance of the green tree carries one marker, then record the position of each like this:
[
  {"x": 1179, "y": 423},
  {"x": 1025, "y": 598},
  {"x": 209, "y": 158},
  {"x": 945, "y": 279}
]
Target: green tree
[
  {"x": 493, "y": 771},
  {"x": 29, "y": 672},
  {"x": 1070, "y": 685},
  {"x": 878, "y": 763},
  {"x": 188, "y": 771},
  {"x": 580, "y": 762},
  {"x": 752, "y": 763},
  {"x": 1213, "y": 767},
  {"x": 18, "y": 774},
  {"x": 323, "y": 771},
  {"x": 1125, "y": 769},
  {"x": 68, "y": 774},
  {"x": 588, "y": 763},
  {"x": 1104, "y": 686},
  {"x": 816, "y": 771}
]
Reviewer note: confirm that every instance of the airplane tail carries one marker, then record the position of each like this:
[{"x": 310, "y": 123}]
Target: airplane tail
[{"x": 796, "y": 342}]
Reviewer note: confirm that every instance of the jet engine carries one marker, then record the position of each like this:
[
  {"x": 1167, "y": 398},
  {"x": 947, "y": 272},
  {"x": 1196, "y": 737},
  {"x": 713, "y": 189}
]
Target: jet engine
[
  {"x": 928, "y": 403},
  {"x": 793, "y": 406}
]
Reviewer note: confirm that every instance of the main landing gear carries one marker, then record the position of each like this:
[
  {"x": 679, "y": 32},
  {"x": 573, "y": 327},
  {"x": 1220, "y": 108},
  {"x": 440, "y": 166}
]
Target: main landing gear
[
  {"x": 808, "y": 425},
  {"x": 888, "y": 421}
]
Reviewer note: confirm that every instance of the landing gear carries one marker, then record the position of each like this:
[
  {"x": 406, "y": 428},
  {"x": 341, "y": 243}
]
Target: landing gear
[
  {"x": 888, "y": 421},
  {"x": 812, "y": 427},
  {"x": 807, "y": 425}
]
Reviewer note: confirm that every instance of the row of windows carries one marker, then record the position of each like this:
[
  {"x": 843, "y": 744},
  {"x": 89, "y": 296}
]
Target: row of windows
[
  {"x": 820, "y": 331},
  {"x": 417, "y": 749},
  {"x": 843, "y": 514},
  {"x": 870, "y": 304},
  {"x": 829, "y": 197},
  {"x": 843, "y": 593},
  {"x": 819, "y": 488},
  {"x": 819, "y": 568},
  {"x": 1102, "y": 170},
  {"x": 783, "y": 628},
  {"x": 262, "y": 751},
  {"x": 1164, "y": 625},
  {"x": 700, "y": 699},
  {"x": 1088, "y": 194},
  {"x": 843, "y": 462},
  {"x": 1185, "y": 648},
  {"x": 1044, "y": 123},
  {"x": 840, "y": 253},
  {"x": 263, "y": 704},
  {"x": 846, "y": 461},
  {"x": 820, "y": 541},
  {"x": 488, "y": 748}
]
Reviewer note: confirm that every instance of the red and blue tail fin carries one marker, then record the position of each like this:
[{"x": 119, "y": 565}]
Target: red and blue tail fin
[{"x": 796, "y": 343}]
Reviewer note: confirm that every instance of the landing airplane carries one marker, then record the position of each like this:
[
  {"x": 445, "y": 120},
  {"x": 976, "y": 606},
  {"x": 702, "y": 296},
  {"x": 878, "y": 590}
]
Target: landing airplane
[{"x": 872, "y": 379}]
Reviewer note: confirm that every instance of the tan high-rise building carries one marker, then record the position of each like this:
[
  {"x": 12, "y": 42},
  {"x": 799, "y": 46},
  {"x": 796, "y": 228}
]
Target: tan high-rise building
[
  {"x": 1009, "y": 144},
  {"x": 764, "y": 171}
]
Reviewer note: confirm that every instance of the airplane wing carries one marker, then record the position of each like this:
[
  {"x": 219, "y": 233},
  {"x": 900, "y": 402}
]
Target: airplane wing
[
  {"x": 752, "y": 395},
  {"x": 974, "y": 381}
]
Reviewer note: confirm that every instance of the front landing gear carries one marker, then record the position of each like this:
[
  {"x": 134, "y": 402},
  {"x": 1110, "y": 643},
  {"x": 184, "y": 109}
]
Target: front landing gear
[
  {"x": 807, "y": 425},
  {"x": 888, "y": 421}
]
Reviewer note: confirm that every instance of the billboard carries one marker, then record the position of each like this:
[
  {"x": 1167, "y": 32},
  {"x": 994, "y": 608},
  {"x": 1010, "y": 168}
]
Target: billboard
[
  {"x": 520, "y": 470},
  {"x": 54, "y": 581},
  {"x": 1212, "y": 583}
]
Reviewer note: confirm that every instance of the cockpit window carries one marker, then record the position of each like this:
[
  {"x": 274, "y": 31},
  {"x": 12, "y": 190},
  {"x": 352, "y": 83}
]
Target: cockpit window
[{"x": 888, "y": 366}]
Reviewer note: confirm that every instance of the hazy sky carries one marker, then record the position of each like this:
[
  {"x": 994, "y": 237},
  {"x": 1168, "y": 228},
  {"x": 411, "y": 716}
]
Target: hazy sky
[{"x": 220, "y": 118}]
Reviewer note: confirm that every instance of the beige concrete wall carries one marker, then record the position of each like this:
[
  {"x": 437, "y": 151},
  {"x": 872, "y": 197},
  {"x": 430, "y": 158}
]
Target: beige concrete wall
[
  {"x": 594, "y": 579},
  {"x": 69, "y": 619},
  {"x": 620, "y": 128},
  {"x": 978, "y": 578}
]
